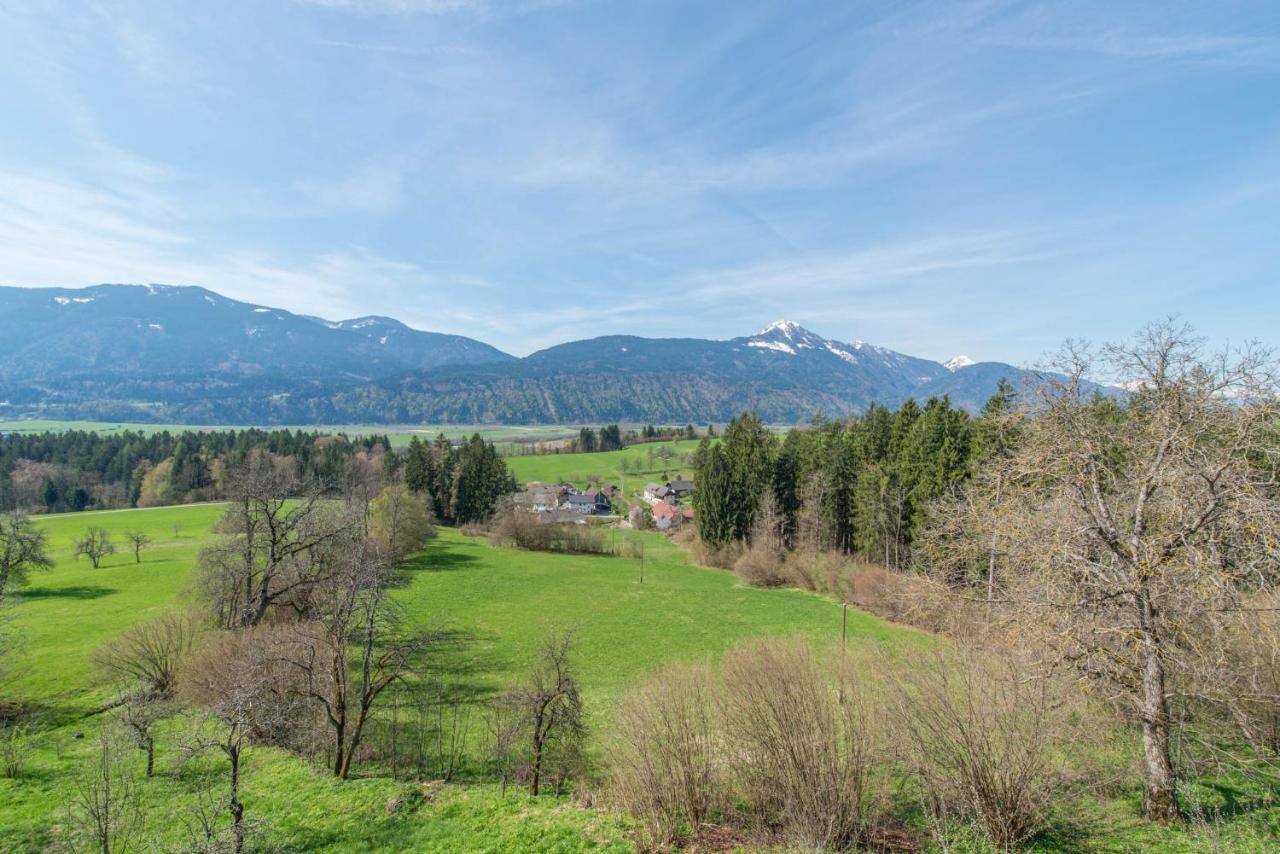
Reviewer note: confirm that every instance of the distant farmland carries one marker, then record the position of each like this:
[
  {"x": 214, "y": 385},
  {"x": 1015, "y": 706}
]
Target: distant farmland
[{"x": 400, "y": 434}]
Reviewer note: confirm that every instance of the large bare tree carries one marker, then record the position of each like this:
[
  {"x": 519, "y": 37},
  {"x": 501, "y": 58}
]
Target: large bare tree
[
  {"x": 273, "y": 539},
  {"x": 351, "y": 649},
  {"x": 1131, "y": 528}
]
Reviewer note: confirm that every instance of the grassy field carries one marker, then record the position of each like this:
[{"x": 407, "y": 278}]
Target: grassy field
[
  {"x": 400, "y": 434},
  {"x": 501, "y": 601},
  {"x": 651, "y": 461}
]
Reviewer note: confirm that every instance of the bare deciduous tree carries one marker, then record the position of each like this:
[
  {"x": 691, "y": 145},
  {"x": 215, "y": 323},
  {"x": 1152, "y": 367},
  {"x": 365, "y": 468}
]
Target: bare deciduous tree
[
  {"x": 271, "y": 550},
  {"x": 23, "y": 548},
  {"x": 545, "y": 715},
  {"x": 140, "y": 714},
  {"x": 105, "y": 810},
  {"x": 95, "y": 545},
  {"x": 231, "y": 680},
  {"x": 138, "y": 541},
  {"x": 1137, "y": 526},
  {"x": 353, "y": 627}
]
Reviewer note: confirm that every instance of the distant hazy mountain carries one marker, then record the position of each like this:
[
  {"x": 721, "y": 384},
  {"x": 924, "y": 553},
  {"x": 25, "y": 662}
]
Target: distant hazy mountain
[
  {"x": 125, "y": 352},
  {"x": 785, "y": 373},
  {"x": 146, "y": 332}
]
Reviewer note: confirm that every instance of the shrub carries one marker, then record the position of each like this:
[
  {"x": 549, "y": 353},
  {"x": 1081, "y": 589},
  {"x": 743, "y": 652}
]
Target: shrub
[
  {"x": 667, "y": 763},
  {"x": 761, "y": 568},
  {"x": 15, "y": 750},
  {"x": 982, "y": 740},
  {"x": 803, "y": 759},
  {"x": 525, "y": 531}
]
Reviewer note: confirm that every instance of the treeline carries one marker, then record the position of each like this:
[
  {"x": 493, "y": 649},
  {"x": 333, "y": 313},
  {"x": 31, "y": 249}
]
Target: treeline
[
  {"x": 611, "y": 438},
  {"x": 79, "y": 470},
  {"x": 859, "y": 486}
]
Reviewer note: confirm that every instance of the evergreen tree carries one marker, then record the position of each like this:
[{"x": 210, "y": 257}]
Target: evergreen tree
[
  {"x": 714, "y": 499},
  {"x": 748, "y": 450}
]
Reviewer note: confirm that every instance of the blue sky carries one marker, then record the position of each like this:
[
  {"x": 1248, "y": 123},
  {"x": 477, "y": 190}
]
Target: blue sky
[{"x": 986, "y": 178}]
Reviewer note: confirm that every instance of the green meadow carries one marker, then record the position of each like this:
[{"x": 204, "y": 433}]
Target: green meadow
[
  {"x": 499, "y": 603},
  {"x": 649, "y": 461}
]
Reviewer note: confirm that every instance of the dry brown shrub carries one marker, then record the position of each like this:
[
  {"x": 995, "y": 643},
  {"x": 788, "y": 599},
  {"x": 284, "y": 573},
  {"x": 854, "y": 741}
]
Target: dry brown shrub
[
  {"x": 667, "y": 765},
  {"x": 146, "y": 658},
  {"x": 803, "y": 759},
  {"x": 721, "y": 558},
  {"x": 525, "y": 531},
  {"x": 984, "y": 740},
  {"x": 762, "y": 568}
]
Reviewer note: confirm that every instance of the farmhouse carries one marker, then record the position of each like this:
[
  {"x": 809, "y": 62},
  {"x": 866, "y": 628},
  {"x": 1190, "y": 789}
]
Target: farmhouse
[
  {"x": 654, "y": 492},
  {"x": 666, "y": 516},
  {"x": 680, "y": 488},
  {"x": 595, "y": 505}
]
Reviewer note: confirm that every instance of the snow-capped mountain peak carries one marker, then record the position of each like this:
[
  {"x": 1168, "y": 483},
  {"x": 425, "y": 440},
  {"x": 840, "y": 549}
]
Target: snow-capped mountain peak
[
  {"x": 786, "y": 336},
  {"x": 786, "y": 328},
  {"x": 958, "y": 362}
]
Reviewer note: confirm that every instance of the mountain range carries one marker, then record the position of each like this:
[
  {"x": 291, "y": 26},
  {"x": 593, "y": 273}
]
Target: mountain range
[{"x": 187, "y": 354}]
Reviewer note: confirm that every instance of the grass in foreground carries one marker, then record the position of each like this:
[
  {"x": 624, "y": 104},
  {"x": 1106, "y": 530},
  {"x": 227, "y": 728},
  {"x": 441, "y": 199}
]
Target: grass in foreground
[{"x": 502, "y": 600}]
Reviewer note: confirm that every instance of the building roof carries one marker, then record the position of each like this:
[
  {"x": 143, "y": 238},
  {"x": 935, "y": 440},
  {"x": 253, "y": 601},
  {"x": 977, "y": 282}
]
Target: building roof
[
  {"x": 663, "y": 510},
  {"x": 681, "y": 485}
]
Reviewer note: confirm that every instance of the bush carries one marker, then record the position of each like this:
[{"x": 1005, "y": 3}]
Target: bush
[
  {"x": 667, "y": 767},
  {"x": 525, "y": 531},
  {"x": 982, "y": 740},
  {"x": 15, "y": 750},
  {"x": 762, "y": 568},
  {"x": 803, "y": 758}
]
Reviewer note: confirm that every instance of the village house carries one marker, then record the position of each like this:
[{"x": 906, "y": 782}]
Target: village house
[
  {"x": 672, "y": 492},
  {"x": 666, "y": 516},
  {"x": 596, "y": 504},
  {"x": 680, "y": 488},
  {"x": 655, "y": 492}
]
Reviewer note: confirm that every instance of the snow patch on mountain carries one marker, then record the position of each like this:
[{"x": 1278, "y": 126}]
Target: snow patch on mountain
[
  {"x": 832, "y": 347},
  {"x": 773, "y": 345},
  {"x": 957, "y": 363}
]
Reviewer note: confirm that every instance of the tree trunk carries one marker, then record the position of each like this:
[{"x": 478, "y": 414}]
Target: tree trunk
[
  {"x": 151, "y": 756},
  {"x": 339, "y": 744},
  {"x": 234, "y": 806},
  {"x": 1161, "y": 801}
]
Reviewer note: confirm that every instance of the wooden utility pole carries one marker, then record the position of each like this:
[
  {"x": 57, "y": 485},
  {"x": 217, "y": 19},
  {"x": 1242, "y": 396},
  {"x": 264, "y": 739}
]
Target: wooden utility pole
[{"x": 844, "y": 636}]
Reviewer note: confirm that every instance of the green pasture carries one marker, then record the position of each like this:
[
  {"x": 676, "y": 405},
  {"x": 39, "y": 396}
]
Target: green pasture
[
  {"x": 649, "y": 461},
  {"x": 500, "y": 603}
]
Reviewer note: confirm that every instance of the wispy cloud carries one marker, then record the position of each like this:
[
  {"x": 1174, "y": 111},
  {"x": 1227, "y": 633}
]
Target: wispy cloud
[{"x": 373, "y": 186}]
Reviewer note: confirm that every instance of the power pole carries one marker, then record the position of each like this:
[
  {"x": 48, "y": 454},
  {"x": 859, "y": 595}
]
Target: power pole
[{"x": 844, "y": 636}]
